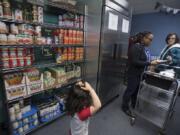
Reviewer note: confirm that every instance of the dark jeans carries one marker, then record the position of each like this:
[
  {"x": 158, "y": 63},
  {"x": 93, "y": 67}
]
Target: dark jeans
[{"x": 131, "y": 92}]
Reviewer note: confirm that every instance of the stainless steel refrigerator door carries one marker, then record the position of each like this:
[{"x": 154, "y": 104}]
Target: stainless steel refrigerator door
[{"x": 113, "y": 47}]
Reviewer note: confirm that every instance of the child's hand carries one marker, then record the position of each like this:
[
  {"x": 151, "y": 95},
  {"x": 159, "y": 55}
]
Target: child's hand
[{"x": 85, "y": 86}]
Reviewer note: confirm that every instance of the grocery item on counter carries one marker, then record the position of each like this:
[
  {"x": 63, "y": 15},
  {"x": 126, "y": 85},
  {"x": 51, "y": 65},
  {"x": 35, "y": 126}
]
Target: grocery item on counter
[
  {"x": 7, "y": 13},
  {"x": 49, "y": 81}
]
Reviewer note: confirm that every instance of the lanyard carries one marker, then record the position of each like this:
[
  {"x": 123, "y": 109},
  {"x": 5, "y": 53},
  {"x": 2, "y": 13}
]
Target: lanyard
[{"x": 148, "y": 55}]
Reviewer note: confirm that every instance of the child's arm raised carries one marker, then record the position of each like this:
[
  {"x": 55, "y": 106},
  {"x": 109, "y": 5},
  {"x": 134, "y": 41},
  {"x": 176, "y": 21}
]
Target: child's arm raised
[{"x": 96, "y": 103}]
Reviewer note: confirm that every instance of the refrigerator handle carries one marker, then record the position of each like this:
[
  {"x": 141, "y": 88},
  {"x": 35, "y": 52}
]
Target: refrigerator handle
[{"x": 114, "y": 54}]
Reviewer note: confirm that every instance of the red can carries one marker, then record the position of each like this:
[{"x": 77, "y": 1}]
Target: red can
[
  {"x": 13, "y": 63},
  {"x": 20, "y": 62}
]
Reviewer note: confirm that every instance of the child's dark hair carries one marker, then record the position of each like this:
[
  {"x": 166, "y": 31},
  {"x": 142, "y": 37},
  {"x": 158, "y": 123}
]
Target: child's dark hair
[{"x": 77, "y": 100}]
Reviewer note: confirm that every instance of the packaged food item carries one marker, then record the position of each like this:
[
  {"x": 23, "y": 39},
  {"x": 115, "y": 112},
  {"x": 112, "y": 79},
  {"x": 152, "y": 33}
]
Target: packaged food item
[
  {"x": 12, "y": 52},
  {"x": 26, "y": 127},
  {"x": 18, "y": 14},
  {"x": 11, "y": 39},
  {"x": 7, "y": 9},
  {"x": 38, "y": 31},
  {"x": 3, "y": 39},
  {"x": 21, "y": 28},
  {"x": 15, "y": 125},
  {"x": 21, "y": 52},
  {"x": 20, "y": 130},
  {"x": 40, "y": 15},
  {"x": 49, "y": 40},
  {"x": 1, "y": 9},
  {"x": 14, "y": 29},
  {"x": 4, "y": 52},
  {"x": 20, "y": 62},
  {"x": 5, "y": 63},
  {"x": 13, "y": 62},
  {"x": 27, "y": 61},
  {"x": 20, "y": 38},
  {"x": 35, "y": 13},
  {"x": 49, "y": 81},
  {"x": 33, "y": 74},
  {"x": 61, "y": 20},
  {"x": 13, "y": 79}
]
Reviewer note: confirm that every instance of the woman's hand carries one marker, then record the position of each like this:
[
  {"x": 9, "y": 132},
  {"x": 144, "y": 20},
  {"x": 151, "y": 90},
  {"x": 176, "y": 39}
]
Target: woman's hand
[{"x": 154, "y": 62}]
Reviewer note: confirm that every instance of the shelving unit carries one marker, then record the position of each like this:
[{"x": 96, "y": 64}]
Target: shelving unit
[{"x": 42, "y": 65}]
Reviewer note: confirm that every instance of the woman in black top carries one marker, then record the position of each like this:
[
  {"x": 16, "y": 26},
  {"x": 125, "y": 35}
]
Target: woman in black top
[{"x": 139, "y": 59}]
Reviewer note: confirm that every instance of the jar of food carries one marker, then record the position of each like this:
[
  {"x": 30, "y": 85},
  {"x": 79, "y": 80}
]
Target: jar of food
[
  {"x": 38, "y": 31},
  {"x": 28, "y": 61},
  {"x": 49, "y": 40},
  {"x": 20, "y": 62},
  {"x": 13, "y": 63},
  {"x": 12, "y": 52},
  {"x": 4, "y": 52},
  {"x": 19, "y": 116},
  {"x": 20, "y": 52}
]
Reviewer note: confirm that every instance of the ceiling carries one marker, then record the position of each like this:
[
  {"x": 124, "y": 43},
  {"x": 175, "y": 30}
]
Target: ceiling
[{"x": 147, "y": 6}]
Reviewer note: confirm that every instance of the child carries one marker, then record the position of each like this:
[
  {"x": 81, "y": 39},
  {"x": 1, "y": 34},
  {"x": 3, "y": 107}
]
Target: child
[{"x": 81, "y": 104}]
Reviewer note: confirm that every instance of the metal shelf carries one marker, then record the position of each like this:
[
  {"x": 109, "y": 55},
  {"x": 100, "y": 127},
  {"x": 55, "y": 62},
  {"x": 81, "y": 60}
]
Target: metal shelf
[
  {"x": 56, "y": 87},
  {"x": 36, "y": 2},
  {"x": 34, "y": 45},
  {"x": 17, "y": 21},
  {"x": 156, "y": 102},
  {"x": 55, "y": 26},
  {"x": 48, "y": 25},
  {"x": 44, "y": 124},
  {"x": 67, "y": 7},
  {"x": 39, "y": 65}
]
